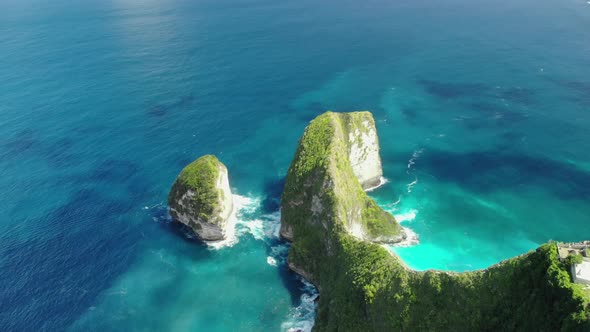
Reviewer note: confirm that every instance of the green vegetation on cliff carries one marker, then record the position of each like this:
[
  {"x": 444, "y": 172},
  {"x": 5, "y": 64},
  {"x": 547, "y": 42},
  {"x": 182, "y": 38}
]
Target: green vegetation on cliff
[
  {"x": 363, "y": 287},
  {"x": 199, "y": 177},
  {"x": 321, "y": 185}
]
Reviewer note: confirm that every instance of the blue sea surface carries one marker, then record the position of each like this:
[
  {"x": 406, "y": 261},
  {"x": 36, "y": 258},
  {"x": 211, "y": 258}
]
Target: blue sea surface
[{"x": 482, "y": 107}]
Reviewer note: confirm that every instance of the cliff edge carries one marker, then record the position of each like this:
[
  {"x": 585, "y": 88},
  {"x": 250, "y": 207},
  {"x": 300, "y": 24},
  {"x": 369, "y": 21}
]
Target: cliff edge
[{"x": 333, "y": 226}]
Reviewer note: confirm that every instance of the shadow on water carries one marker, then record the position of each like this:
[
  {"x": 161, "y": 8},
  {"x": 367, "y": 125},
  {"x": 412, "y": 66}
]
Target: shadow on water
[
  {"x": 274, "y": 190},
  {"x": 53, "y": 263},
  {"x": 497, "y": 170},
  {"x": 178, "y": 230},
  {"x": 288, "y": 278},
  {"x": 19, "y": 144},
  {"x": 410, "y": 114},
  {"x": 163, "y": 109}
]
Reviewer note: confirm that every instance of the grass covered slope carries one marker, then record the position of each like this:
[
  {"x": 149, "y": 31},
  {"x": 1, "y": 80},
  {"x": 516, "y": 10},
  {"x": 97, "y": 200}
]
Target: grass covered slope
[
  {"x": 365, "y": 288},
  {"x": 199, "y": 177},
  {"x": 373, "y": 291},
  {"x": 321, "y": 188}
]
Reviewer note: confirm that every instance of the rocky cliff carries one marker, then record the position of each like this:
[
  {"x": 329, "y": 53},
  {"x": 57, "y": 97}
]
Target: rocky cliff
[
  {"x": 363, "y": 148},
  {"x": 337, "y": 157},
  {"x": 333, "y": 225},
  {"x": 201, "y": 198}
]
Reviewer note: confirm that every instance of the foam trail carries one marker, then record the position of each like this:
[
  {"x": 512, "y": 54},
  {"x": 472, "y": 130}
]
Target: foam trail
[
  {"x": 399, "y": 199},
  {"x": 412, "y": 184},
  {"x": 382, "y": 181},
  {"x": 415, "y": 156}
]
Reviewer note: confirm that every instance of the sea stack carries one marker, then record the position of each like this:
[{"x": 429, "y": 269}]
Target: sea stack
[
  {"x": 337, "y": 157},
  {"x": 337, "y": 234},
  {"x": 201, "y": 198}
]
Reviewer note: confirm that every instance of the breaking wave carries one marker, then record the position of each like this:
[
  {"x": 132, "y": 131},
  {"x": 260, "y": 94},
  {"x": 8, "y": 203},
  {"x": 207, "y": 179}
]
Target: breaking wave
[
  {"x": 242, "y": 206},
  {"x": 412, "y": 238},
  {"x": 302, "y": 317},
  {"x": 382, "y": 181}
]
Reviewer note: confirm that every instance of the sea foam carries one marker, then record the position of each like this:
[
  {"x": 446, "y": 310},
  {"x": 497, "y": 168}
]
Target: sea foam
[
  {"x": 412, "y": 238},
  {"x": 382, "y": 182},
  {"x": 302, "y": 317},
  {"x": 236, "y": 220}
]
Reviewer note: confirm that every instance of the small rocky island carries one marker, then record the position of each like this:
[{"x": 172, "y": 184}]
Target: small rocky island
[
  {"x": 336, "y": 232},
  {"x": 201, "y": 198},
  {"x": 337, "y": 157}
]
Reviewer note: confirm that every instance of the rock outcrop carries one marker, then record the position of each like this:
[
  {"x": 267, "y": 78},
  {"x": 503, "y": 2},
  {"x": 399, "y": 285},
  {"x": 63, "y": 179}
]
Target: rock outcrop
[
  {"x": 201, "y": 198},
  {"x": 338, "y": 157},
  {"x": 363, "y": 149},
  {"x": 333, "y": 225}
]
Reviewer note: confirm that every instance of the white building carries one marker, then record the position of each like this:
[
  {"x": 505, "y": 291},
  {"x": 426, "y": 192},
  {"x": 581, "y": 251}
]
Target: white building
[{"x": 581, "y": 272}]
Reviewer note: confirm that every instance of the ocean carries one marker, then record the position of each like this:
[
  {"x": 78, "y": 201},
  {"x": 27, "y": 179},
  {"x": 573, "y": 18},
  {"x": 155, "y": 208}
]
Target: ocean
[{"x": 482, "y": 108}]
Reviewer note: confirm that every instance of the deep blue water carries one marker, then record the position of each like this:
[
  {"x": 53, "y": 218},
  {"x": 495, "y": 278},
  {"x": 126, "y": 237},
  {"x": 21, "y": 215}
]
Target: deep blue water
[{"x": 483, "y": 111}]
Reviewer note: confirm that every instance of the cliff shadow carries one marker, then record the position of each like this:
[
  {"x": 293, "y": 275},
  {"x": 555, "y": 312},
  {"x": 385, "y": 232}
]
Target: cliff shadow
[
  {"x": 277, "y": 247},
  {"x": 273, "y": 189}
]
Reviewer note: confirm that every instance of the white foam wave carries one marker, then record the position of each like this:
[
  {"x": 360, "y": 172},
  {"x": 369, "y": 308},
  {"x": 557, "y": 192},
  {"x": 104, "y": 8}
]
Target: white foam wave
[
  {"x": 271, "y": 261},
  {"x": 415, "y": 156},
  {"x": 242, "y": 204},
  {"x": 412, "y": 184},
  {"x": 302, "y": 317},
  {"x": 407, "y": 216},
  {"x": 382, "y": 181},
  {"x": 412, "y": 239},
  {"x": 264, "y": 227}
]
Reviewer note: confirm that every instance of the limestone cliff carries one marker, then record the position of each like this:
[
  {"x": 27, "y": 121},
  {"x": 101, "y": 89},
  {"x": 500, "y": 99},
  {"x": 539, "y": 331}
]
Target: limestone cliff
[
  {"x": 332, "y": 224},
  {"x": 201, "y": 198},
  {"x": 363, "y": 148},
  {"x": 338, "y": 153}
]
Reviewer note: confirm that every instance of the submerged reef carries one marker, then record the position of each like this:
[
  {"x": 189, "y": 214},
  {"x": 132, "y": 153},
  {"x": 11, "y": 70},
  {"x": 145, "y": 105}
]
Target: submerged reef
[
  {"x": 201, "y": 198},
  {"x": 336, "y": 232}
]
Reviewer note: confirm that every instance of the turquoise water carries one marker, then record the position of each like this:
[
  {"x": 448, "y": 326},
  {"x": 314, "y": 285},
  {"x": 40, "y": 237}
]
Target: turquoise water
[{"x": 482, "y": 110}]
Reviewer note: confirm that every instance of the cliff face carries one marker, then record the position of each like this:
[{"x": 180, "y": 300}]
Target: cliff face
[
  {"x": 323, "y": 187},
  {"x": 363, "y": 149},
  {"x": 332, "y": 224},
  {"x": 201, "y": 198}
]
